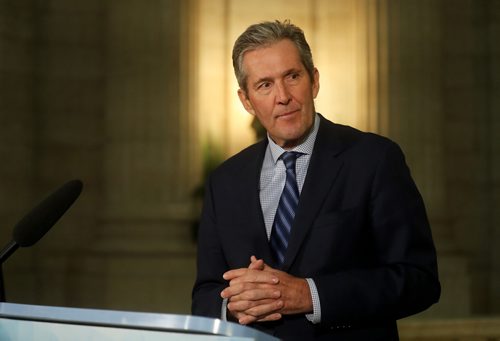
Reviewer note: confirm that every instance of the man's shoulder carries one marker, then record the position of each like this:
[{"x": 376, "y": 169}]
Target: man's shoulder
[
  {"x": 248, "y": 157},
  {"x": 348, "y": 137}
]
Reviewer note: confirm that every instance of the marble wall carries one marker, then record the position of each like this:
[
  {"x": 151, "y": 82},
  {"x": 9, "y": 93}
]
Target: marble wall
[{"x": 93, "y": 90}]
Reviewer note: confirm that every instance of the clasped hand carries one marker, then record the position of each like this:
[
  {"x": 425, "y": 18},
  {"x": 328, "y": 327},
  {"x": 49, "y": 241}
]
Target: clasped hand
[{"x": 260, "y": 293}]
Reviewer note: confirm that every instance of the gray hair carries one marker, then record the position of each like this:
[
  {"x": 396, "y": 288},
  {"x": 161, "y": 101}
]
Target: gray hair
[{"x": 265, "y": 34}]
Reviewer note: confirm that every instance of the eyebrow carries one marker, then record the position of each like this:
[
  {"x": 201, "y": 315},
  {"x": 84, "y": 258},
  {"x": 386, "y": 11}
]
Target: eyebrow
[{"x": 285, "y": 73}]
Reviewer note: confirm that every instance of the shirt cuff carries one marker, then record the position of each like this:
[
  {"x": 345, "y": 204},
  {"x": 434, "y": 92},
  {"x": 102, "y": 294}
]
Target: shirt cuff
[{"x": 315, "y": 317}]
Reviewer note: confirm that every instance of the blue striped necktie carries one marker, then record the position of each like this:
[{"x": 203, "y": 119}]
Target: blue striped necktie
[{"x": 285, "y": 213}]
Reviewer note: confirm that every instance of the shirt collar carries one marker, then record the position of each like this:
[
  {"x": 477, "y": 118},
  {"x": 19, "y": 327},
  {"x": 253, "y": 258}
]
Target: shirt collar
[{"x": 305, "y": 147}]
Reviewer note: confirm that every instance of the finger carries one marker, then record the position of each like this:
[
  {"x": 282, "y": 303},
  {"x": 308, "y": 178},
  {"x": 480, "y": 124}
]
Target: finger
[
  {"x": 252, "y": 270},
  {"x": 256, "y": 264},
  {"x": 228, "y": 275},
  {"x": 236, "y": 314},
  {"x": 241, "y": 306},
  {"x": 272, "y": 317},
  {"x": 234, "y": 290},
  {"x": 254, "y": 259},
  {"x": 249, "y": 291},
  {"x": 238, "y": 289},
  {"x": 262, "y": 310},
  {"x": 231, "y": 291},
  {"x": 254, "y": 276},
  {"x": 266, "y": 312},
  {"x": 266, "y": 267},
  {"x": 234, "y": 273},
  {"x": 256, "y": 295},
  {"x": 247, "y": 319}
]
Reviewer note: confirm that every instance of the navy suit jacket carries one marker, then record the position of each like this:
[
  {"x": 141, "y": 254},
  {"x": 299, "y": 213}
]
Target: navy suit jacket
[{"x": 360, "y": 232}]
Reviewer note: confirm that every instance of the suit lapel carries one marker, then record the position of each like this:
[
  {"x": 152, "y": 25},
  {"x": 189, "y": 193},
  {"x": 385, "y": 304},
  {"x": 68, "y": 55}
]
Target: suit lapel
[
  {"x": 255, "y": 217},
  {"x": 322, "y": 172}
]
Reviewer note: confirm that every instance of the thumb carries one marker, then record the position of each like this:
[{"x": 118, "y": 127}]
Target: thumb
[
  {"x": 256, "y": 264},
  {"x": 264, "y": 265}
]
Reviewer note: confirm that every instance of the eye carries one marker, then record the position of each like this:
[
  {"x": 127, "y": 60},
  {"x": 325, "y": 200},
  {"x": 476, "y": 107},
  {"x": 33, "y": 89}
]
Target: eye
[
  {"x": 265, "y": 85},
  {"x": 293, "y": 76}
]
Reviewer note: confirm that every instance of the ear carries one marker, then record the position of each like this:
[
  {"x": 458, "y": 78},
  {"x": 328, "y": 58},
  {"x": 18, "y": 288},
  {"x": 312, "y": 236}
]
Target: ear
[
  {"x": 315, "y": 85},
  {"x": 245, "y": 101}
]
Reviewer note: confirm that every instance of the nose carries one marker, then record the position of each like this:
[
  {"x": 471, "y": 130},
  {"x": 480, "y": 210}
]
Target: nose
[{"x": 282, "y": 94}]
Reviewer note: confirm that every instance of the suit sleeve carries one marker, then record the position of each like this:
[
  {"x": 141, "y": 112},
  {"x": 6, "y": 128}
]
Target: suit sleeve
[
  {"x": 402, "y": 278},
  {"x": 211, "y": 264}
]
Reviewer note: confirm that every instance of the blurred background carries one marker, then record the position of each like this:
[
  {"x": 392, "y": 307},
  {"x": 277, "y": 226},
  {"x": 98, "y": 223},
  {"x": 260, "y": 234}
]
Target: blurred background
[{"x": 138, "y": 100}]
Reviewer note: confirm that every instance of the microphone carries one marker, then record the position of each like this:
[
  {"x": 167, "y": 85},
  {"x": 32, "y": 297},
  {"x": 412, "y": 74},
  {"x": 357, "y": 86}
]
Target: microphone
[{"x": 40, "y": 219}]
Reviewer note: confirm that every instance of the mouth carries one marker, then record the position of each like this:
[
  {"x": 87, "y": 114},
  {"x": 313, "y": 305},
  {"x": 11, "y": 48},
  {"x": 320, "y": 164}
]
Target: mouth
[{"x": 287, "y": 114}]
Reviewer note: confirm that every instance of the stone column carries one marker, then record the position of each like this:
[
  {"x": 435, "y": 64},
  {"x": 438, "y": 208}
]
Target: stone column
[
  {"x": 416, "y": 122},
  {"x": 494, "y": 142},
  {"x": 470, "y": 92},
  {"x": 17, "y": 140},
  {"x": 144, "y": 247},
  {"x": 68, "y": 108}
]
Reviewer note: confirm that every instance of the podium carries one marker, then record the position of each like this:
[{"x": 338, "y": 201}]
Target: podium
[{"x": 46, "y": 323}]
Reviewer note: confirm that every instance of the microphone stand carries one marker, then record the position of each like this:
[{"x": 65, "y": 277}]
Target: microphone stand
[
  {"x": 2, "y": 286},
  {"x": 4, "y": 254},
  {"x": 46, "y": 214}
]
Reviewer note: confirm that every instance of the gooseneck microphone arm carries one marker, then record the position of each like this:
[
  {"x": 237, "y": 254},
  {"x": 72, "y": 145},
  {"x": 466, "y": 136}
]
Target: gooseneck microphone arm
[
  {"x": 4, "y": 254},
  {"x": 8, "y": 250},
  {"x": 38, "y": 222}
]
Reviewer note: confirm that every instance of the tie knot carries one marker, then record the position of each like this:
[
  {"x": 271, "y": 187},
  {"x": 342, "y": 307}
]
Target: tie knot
[{"x": 289, "y": 159}]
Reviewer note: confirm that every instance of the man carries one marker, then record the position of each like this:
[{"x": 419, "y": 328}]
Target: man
[{"x": 317, "y": 232}]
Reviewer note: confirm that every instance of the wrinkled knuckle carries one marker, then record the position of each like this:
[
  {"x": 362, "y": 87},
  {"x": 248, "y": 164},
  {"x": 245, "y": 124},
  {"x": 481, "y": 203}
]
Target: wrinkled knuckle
[
  {"x": 251, "y": 295},
  {"x": 245, "y": 286},
  {"x": 253, "y": 312}
]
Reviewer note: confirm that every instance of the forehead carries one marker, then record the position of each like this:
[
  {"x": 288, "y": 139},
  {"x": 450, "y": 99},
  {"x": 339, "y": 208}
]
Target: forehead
[{"x": 273, "y": 58}]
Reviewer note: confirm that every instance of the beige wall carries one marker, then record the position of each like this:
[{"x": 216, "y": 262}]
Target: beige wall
[
  {"x": 125, "y": 94},
  {"x": 344, "y": 35}
]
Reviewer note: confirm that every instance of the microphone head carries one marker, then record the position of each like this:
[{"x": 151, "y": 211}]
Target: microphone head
[{"x": 40, "y": 219}]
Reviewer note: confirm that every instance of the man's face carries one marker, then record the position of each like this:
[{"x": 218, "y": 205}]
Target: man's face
[{"x": 280, "y": 92}]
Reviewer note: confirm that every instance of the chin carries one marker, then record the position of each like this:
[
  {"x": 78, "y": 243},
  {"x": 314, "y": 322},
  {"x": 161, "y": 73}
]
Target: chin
[{"x": 292, "y": 140}]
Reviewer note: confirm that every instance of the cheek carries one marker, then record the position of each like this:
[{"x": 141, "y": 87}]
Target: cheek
[
  {"x": 265, "y": 121},
  {"x": 263, "y": 110}
]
